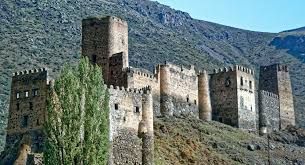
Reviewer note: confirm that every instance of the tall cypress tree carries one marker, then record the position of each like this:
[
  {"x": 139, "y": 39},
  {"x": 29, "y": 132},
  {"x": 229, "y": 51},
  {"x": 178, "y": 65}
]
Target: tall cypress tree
[{"x": 77, "y": 125}]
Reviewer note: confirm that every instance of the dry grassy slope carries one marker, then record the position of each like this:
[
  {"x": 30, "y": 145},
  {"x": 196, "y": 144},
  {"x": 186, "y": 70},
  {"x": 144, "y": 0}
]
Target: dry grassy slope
[
  {"x": 46, "y": 33},
  {"x": 191, "y": 141}
]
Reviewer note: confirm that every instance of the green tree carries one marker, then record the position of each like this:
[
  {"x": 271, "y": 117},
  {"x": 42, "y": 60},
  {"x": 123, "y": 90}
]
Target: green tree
[{"x": 77, "y": 125}]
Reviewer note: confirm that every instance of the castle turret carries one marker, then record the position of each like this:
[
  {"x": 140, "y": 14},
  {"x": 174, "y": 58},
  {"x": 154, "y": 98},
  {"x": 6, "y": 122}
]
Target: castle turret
[
  {"x": 276, "y": 79},
  {"x": 204, "y": 101},
  {"x": 148, "y": 137},
  {"x": 166, "y": 105},
  {"x": 102, "y": 38}
]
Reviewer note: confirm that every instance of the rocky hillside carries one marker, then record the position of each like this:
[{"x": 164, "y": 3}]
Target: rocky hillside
[
  {"x": 46, "y": 33},
  {"x": 192, "y": 141}
]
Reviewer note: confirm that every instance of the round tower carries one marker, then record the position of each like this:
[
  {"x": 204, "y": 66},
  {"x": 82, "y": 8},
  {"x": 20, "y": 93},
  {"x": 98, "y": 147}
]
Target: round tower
[
  {"x": 148, "y": 122},
  {"x": 204, "y": 100},
  {"x": 166, "y": 105}
]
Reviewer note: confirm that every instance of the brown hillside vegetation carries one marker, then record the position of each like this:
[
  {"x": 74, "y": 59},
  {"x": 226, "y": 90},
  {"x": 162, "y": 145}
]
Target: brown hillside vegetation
[{"x": 192, "y": 141}]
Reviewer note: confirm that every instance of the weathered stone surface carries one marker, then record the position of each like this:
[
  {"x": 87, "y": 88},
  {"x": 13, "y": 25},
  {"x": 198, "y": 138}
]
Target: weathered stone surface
[
  {"x": 233, "y": 97},
  {"x": 269, "y": 111},
  {"x": 276, "y": 79}
]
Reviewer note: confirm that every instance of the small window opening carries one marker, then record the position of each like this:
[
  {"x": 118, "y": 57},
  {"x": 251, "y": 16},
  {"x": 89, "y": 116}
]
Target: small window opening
[
  {"x": 250, "y": 84},
  {"x": 94, "y": 59},
  {"x": 187, "y": 99},
  {"x": 31, "y": 106},
  {"x": 37, "y": 122},
  {"x": 116, "y": 106},
  {"x": 26, "y": 93},
  {"x": 195, "y": 102},
  {"x": 25, "y": 121},
  {"x": 241, "y": 81},
  {"x": 18, "y": 106},
  {"x": 137, "y": 109},
  {"x": 35, "y": 92}
]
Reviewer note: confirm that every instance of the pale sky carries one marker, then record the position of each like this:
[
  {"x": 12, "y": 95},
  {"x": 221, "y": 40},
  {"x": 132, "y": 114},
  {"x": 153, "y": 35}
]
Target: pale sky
[{"x": 256, "y": 15}]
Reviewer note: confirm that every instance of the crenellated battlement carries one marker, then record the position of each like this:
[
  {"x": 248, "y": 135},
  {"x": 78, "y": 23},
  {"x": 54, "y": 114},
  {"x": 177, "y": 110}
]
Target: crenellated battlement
[
  {"x": 244, "y": 69},
  {"x": 137, "y": 72},
  {"x": 106, "y": 19},
  {"x": 223, "y": 70},
  {"x": 266, "y": 93},
  {"x": 145, "y": 90},
  {"x": 278, "y": 67},
  {"x": 282, "y": 68},
  {"x": 234, "y": 68},
  {"x": 29, "y": 72},
  {"x": 189, "y": 70}
]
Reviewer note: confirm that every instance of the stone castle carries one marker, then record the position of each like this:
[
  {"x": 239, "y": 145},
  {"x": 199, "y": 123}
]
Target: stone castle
[{"x": 227, "y": 95}]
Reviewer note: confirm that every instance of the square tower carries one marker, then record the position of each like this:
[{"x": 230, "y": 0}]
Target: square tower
[
  {"x": 276, "y": 79},
  {"x": 233, "y": 97},
  {"x": 27, "y": 109},
  {"x": 102, "y": 38}
]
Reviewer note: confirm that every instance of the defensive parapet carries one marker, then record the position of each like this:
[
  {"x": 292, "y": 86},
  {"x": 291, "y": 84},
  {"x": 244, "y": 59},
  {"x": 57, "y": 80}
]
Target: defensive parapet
[
  {"x": 143, "y": 73},
  {"x": 234, "y": 68}
]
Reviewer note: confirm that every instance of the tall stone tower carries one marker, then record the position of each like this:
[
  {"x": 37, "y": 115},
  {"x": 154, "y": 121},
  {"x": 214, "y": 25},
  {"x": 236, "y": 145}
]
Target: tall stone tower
[
  {"x": 101, "y": 39},
  {"x": 276, "y": 79},
  {"x": 233, "y": 97},
  {"x": 27, "y": 109},
  {"x": 204, "y": 100}
]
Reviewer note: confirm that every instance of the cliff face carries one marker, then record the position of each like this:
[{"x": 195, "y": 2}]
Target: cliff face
[{"x": 37, "y": 33}]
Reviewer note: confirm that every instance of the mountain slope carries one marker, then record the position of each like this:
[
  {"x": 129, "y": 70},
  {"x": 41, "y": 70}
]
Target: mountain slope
[
  {"x": 46, "y": 33},
  {"x": 192, "y": 141}
]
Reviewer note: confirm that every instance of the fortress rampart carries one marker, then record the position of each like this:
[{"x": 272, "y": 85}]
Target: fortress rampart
[{"x": 137, "y": 95}]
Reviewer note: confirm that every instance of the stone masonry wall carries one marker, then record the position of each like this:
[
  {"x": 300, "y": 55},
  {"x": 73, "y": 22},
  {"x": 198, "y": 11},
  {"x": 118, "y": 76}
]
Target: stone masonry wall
[
  {"x": 233, "y": 97},
  {"x": 102, "y": 38},
  {"x": 275, "y": 78},
  {"x": 125, "y": 115},
  {"x": 27, "y": 107},
  {"x": 223, "y": 87},
  {"x": 131, "y": 115},
  {"x": 139, "y": 78},
  {"x": 286, "y": 97},
  {"x": 269, "y": 111},
  {"x": 181, "y": 91},
  {"x": 246, "y": 98}
]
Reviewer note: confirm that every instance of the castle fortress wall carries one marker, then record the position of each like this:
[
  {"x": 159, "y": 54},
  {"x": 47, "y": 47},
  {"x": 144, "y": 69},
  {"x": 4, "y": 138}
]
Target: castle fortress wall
[
  {"x": 139, "y": 78},
  {"x": 276, "y": 79},
  {"x": 269, "y": 111},
  {"x": 233, "y": 97},
  {"x": 223, "y": 85},
  {"x": 27, "y": 107},
  {"x": 102, "y": 38},
  {"x": 178, "y": 90},
  {"x": 131, "y": 113},
  {"x": 246, "y": 98}
]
